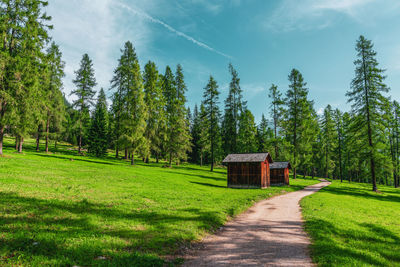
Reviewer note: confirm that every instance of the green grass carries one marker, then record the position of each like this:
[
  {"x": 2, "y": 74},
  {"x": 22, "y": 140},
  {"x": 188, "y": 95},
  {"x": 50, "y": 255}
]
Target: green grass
[
  {"x": 61, "y": 209},
  {"x": 352, "y": 226}
]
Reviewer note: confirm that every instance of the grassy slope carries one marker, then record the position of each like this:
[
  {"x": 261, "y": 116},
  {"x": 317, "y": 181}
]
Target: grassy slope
[
  {"x": 352, "y": 226},
  {"x": 58, "y": 211}
]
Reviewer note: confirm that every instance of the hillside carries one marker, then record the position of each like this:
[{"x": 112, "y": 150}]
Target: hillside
[
  {"x": 64, "y": 209},
  {"x": 352, "y": 226}
]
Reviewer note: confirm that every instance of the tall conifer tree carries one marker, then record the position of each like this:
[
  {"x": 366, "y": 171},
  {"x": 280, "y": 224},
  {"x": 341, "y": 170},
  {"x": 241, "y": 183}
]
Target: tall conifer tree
[
  {"x": 97, "y": 136},
  {"x": 84, "y": 82},
  {"x": 211, "y": 102},
  {"x": 366, "y": 96},
  {"x": 296, "y": 111}
]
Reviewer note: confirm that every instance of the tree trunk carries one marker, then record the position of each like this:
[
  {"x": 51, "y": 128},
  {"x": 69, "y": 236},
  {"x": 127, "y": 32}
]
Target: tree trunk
[
  {"x": 157, "y": 158},
  {"x": 126, "y": 154},
  {"x": 201, "y": 159},
  {"x": 80, "y": 144},
  {"x": 21, "y": 141},
  {"x": 47, "y": 134},
  {"x": 116, "y": 151},
  {"x": 16, "y": 142},
  {"x": 1, "y": 139},
  {"x": 147, "y": 160},
  {"x": 55, "y": 145},
  {"x": 212, "y": 156},
  {"x": 170, "y": 159},
  {"x": 38, "y": 138},
  {"x": 132, "y": 160}
]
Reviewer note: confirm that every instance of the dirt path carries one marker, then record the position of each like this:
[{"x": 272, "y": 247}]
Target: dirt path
[{"x": 269, "y": 234}]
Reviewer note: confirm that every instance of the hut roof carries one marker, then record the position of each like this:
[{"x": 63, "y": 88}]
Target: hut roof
[
  {"x": 280, "y": 165},
  {"x": 247, "y": 157}
]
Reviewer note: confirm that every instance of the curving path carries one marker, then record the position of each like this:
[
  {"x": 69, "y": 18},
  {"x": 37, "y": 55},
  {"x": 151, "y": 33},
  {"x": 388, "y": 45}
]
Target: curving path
[{"x": 268, "y": 234}]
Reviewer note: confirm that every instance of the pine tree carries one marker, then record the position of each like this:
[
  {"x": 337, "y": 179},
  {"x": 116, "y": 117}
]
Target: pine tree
[
  {"x": 134, "y": 122},
  {"x": 328, "y": 139},
  {"x": 296, "y": 111},
  {"x": 195, "y": 131},
  {"x": 265, "y": 136},
  {"x": 97, "y": 136},
  {"x": 178, "y": 136},
  {"x": 23, "y": 27},
  {"x": 338, "y": 118},
  {"x": 367, "y": 99},
  {"x": 211, "y": 102},
  {"x": 155, "y": 103},
  {"x": 234, "y": 106},
  {"x": 55, "y": 107},
  {"x": 84, "y": 82},
  {"x": 276, "y": 109},
  {"x": 247, "y": 141},
  {"x": 182, "y": 129}
]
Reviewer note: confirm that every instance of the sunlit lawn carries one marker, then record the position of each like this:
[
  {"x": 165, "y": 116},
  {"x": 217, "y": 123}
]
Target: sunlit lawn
[
  {"x": 352, "y": 226},
  {"x": 64, "y": 209}
]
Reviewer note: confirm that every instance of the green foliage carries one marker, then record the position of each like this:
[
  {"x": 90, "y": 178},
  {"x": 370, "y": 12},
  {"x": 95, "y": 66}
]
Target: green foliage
[
  {"x": 97, "y": 136},
  {"x": 88, "y": 211},
  {"x": 247, "y": 141},
  {"x": 156, "y": 122},
  {"x": 84, "y": 82},
  {"x": 276, "y": 114},
  {"x": 297, "y": 115},
  {"x": 234, "y": 106},
  {"x": 352, "y": 226},
  {"x": 366, "y": 96},
  {"x": 23, "y": 31},
  {"x": 329, "y": 140},
  {"x": 212, "y": 116},
  {"x": 178, "y": 135}
]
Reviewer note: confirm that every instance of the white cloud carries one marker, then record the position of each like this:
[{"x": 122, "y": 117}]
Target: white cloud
[
  {"x": 313, "y": 14},
  {"x": 83, "y": 26}
]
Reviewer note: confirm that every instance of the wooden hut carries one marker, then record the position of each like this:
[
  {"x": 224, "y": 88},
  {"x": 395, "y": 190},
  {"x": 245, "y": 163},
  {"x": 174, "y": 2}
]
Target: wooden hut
[
  {"x": 249, "y": 170},
  {"x": 279, "y": 172}
]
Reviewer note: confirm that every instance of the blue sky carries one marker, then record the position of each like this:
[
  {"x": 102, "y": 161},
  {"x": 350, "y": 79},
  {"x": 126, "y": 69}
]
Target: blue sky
[{"x": 264, "y": 40}]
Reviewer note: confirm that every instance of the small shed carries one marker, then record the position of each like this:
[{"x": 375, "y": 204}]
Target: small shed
[
  {"x": 279, "y": 172},
  {"x": 250, "y": 170}
]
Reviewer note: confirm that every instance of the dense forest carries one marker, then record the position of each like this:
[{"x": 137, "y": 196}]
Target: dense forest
[{"x": 147, "y": 115}]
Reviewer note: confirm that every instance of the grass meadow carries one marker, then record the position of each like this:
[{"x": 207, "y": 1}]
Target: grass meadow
[
  {"x": 352, "y": 226},
  {"x": 61, "y": 209}
]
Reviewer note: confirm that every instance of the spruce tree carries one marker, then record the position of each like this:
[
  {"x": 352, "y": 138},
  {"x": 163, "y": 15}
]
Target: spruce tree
[
  {"x": 234, "y": 106},
  {"x": 366, "y": 96},
  {"x": 211, "y": 102},
  {"x": 156, "y": 122},
  {"x": 97, "y": 135},
  {"x": 23, "y": 27},
  {"x": 84, "y": 82},
  {"x": 247, "y": 141},
  {"x": 328, "y": 139},
  {"x": 296, "y": 110},
  {"x": 338, "y": 118},
  {"x": 276, "y": 109},
  {"x": 55, "y": 107},
  {"x": 265, "y": 136},
  {"x": 134, "y": 122},
  {"x": 178, "y": 136}
]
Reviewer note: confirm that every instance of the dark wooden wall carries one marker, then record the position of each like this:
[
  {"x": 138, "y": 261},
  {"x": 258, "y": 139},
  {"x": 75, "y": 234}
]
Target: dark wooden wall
[
  {"x": 280, "y": 176},
  {"x": 248, "y": 174}
]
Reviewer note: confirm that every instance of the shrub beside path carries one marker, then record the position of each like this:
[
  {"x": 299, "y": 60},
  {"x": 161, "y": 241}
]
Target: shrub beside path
[{"x": 270, "y": 233}]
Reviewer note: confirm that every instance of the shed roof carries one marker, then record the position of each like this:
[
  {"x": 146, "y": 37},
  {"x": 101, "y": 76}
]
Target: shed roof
[
  {"x": 280, "y": 165},
  {"x": 247, "y": 157}
]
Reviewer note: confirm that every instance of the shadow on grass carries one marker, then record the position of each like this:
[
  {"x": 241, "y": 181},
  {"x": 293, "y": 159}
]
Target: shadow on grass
[
  {"x": 39, "y": 228},
  {"x": 76, "y": 159},
  {"x": 207, "y": 184},
  {"x": 362, "y": 193},
  {"x": 355, "y": 247}
]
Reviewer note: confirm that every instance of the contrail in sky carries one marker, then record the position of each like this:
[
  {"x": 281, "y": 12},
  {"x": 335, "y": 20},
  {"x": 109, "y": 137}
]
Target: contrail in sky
[{"x": 187, "y": 37}]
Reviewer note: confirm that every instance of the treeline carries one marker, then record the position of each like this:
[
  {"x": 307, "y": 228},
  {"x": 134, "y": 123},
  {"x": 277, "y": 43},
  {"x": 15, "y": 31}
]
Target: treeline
[{"x": 148, "y": 118}]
